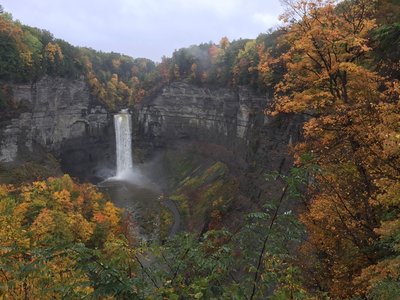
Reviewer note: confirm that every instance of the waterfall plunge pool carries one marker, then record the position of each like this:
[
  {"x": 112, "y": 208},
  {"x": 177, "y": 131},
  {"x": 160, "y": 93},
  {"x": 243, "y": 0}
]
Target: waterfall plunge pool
[{"x": 129, "y": 188}]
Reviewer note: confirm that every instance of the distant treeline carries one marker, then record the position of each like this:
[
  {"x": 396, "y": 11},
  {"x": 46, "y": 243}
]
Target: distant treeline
[{"x": 28, "y": 53}]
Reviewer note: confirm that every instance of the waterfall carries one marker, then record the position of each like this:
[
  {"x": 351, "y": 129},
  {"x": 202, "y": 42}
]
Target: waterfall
[{"x": 123, "y": 138}]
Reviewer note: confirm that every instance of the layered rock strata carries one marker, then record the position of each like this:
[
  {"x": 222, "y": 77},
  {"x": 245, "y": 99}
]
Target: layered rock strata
[
  {"x": 56, "y": 115},
  {"x": 252, "y": 143}
]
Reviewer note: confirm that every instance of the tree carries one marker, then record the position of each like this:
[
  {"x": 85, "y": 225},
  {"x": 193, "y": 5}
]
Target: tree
[
  {"x": 224, "y": 43},
  {"x": 53, "y": 58},
  {"x": 380, "y": 280},
  {"x": 245, "y": 69},
  {"x": 46, "y": 229},
  {"x": 15, "y": 56},
  {"x": 164, "y": 69},
  {"x": 327, "y": 81},
  {"x": 193, "y": 69}
]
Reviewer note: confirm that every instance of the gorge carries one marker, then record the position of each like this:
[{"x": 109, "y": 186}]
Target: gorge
[
  {"x": 62, "y": 118},
  {"x": 263, "y": 168},
  {"x": 213, "y": 124}
]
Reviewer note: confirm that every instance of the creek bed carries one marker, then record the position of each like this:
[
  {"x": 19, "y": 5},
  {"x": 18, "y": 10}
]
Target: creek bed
[{"x": 140, "y": 201}]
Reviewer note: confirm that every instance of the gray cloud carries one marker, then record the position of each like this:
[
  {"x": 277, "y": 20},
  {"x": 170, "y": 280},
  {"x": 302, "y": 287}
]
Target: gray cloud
[{"x": 146, "y": 28}]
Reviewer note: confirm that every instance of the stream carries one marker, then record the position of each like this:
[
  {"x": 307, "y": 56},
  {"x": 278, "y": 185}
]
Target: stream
[{"x": 143, "y": 202}]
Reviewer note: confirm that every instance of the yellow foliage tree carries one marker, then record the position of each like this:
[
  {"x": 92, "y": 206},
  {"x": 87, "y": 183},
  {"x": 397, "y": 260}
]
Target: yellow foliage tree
[
  {"x": 347, "y": 142},
  {"x": 40, "y": 223},
  {"x": 53, "y": 52}
]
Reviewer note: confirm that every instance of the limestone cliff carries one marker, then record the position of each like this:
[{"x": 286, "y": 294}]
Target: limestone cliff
[
  {"x": 57, "y": 115},
  {"x": 186, "y": 111},
  {"x": 229, "y": 125},
  {"x": 60, "y": 117}
]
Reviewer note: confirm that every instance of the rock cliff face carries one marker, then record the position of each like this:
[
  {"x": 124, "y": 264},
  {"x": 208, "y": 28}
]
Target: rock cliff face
[
  {"x": 231, "y": 118},
  {"x": 229, "y": 123},
  {"x": 58, "y": 117},
  {"x": 185, "y": 111}
]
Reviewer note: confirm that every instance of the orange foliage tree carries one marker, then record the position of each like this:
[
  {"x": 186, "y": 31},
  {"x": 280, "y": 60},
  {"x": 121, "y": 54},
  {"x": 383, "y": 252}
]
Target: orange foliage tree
[{"x": 349, "y": 141}]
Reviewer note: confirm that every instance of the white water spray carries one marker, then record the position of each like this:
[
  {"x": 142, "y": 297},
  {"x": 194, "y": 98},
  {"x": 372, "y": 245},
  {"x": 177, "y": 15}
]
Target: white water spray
[{"x": 123, "y": 138}]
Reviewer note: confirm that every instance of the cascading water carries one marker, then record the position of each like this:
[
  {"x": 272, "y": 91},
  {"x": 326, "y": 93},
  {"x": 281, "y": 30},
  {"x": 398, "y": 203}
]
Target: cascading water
[{"x": 123, "y": 137}]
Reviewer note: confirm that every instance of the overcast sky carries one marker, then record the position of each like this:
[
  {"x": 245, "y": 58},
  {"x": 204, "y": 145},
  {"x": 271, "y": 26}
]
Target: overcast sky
[{"x": 146, "y": 28}]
